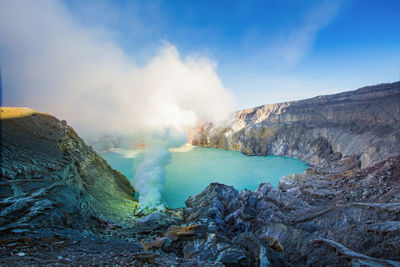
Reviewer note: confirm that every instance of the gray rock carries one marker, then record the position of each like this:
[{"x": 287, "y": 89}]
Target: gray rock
[
  {"x": 329, "y": 205},
  {"x": 322, "y": 130}
]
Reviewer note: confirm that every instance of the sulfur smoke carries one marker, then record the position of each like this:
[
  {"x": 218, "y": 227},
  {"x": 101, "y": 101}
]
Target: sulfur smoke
[
  {"x": 52, "y": 63},
  {"x": 150, "y": 176}
]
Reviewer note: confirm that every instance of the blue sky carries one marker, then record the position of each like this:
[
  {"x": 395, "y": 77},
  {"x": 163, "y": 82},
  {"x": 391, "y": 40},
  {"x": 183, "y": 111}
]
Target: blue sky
[
  {"x": 261, "y": 51},
  {"x": 264, "y": 51}
]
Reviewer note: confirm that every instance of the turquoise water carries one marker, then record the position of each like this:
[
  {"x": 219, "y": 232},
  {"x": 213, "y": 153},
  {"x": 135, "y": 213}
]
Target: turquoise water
[{"x": 192, "y": 170}]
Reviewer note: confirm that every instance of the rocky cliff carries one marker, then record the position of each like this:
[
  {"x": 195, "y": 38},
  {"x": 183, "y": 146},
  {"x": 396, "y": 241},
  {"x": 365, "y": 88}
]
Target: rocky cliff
[
  {"x": 362, "y": 124},
  {"x": 51, "y": 178}
]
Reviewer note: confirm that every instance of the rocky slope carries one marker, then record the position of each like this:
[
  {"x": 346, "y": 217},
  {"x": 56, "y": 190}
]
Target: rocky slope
[
  {"x": 50, "y": 177},
  {"x": 364, "y": 123}
]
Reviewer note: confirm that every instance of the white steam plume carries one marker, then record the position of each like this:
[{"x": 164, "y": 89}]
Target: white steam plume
[
  {"x": 53, "y": 64},
  {"x": 151, "y": 173}
]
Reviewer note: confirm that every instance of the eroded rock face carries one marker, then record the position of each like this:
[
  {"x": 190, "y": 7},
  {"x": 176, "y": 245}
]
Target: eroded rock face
[
  {"x": 321, "y": 130},
  {"x": 51, "y": 178},
  {"x": 345, "y": 217}
]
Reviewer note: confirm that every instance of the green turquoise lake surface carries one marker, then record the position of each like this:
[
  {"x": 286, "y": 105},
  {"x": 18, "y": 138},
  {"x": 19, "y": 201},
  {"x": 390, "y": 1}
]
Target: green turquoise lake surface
[{"x": 192, "y": 169}]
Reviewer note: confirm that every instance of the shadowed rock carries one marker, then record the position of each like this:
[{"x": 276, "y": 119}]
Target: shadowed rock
[{"x": 332, "y": 226}]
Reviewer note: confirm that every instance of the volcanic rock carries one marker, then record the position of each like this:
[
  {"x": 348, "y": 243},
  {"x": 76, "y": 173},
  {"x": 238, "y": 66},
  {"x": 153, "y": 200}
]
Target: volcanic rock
[
  {"x": 322, "y": 130},
  {"x": 328, "y": 225},
  {"x": 51, "y": 178}
]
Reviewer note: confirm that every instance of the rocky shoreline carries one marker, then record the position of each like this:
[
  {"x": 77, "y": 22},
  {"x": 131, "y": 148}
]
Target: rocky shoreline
[{"x": 62, "y": 204}]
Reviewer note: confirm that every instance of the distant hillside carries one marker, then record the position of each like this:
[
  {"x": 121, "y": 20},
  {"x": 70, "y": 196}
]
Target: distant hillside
[{"x": 363, "y": 124}]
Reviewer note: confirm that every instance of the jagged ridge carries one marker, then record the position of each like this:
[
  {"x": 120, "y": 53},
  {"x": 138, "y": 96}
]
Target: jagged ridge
[{"x": 323, "y": 130}]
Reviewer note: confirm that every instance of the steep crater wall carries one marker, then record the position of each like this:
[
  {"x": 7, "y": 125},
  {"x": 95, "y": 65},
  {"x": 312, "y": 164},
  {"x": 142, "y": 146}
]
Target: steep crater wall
[
  {"x": 361, "y": 124},
  {"x": 51, "y": 178}
]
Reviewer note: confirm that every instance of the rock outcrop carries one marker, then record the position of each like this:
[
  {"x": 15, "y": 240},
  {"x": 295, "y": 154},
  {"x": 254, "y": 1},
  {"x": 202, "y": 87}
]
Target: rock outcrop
[
  {"x": 323, "y": 130},
  {"x": 350, "y": 217},
  {"x": 51, "y": 178}
]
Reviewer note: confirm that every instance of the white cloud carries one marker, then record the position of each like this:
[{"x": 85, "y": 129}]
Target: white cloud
[
  {"x": 290, "y": 46},
  {"x": 53, "y": 64}
]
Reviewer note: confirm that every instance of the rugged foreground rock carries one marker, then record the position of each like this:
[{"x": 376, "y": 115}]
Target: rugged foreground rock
[
  {"x": 350, "y": 217},
  {"x": 345, "y": 218},
  {"x": 60, "y": 203},
  {"x": 364, "y": 123}
]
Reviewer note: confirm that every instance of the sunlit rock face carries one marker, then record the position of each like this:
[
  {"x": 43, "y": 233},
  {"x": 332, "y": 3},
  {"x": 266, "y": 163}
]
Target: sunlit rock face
[
  {"x": 51, "y": 178},
  {"x": 323, "y": 130}
]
